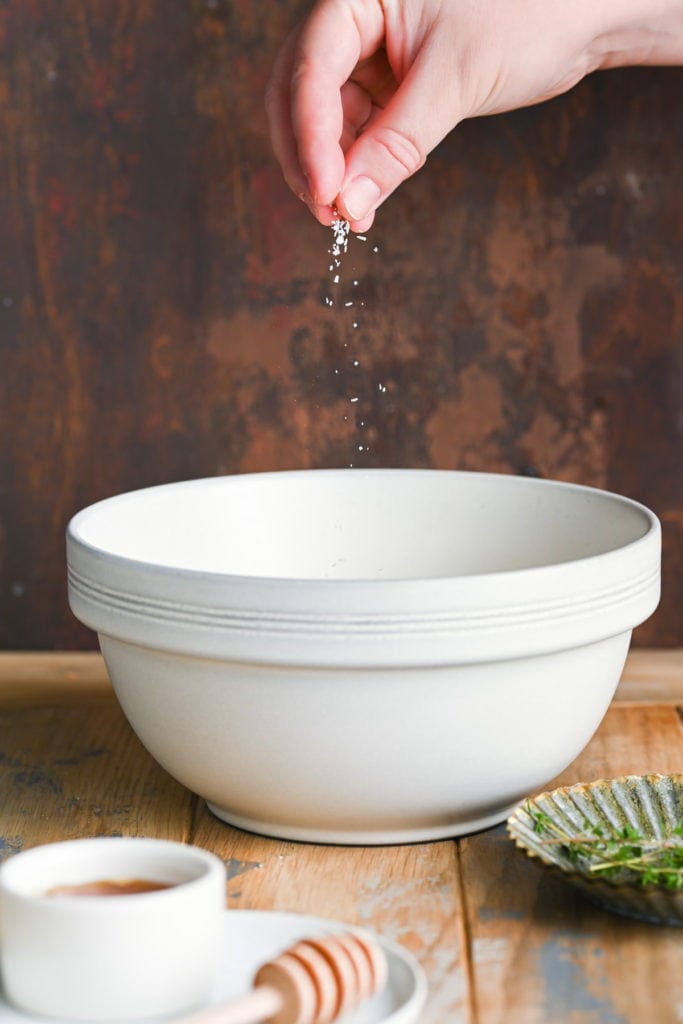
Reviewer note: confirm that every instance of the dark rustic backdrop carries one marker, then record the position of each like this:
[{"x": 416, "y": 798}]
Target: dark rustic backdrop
[{"x": 162, "y": 295}]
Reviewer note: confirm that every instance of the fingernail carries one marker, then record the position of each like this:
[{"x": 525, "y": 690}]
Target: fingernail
[{"x": 361, "y": 197}]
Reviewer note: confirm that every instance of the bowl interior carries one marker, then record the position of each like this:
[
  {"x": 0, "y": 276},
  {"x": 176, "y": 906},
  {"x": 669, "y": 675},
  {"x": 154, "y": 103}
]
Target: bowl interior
[{"x": 353, "y": 524}]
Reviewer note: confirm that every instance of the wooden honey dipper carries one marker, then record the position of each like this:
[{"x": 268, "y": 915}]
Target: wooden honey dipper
[{"x": 313, "y": 982}]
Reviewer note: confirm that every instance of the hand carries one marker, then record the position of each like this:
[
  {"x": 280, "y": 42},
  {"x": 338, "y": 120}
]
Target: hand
[{"x": 363, "y": 90}]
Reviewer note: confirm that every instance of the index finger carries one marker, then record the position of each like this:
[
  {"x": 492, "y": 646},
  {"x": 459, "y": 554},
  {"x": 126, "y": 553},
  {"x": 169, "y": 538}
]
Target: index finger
[{"x": 332, "y": 41}]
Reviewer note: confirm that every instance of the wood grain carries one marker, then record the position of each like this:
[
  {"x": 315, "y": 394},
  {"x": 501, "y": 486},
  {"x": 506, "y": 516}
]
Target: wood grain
[
  {"x": 410, "y": 894},
  {"x": 652, "y": 675},
  {"x": 500, "y": 939},
  {"x": 41, "y": 677},
  {"x": 543, "y": 955},
  {"x": 162, "y": 308},
  {"x": 79, "y": 770}
]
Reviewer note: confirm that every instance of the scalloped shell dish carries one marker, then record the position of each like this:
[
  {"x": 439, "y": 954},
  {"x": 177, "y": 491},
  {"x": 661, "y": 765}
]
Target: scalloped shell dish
[{"x": 652, "y": 804}]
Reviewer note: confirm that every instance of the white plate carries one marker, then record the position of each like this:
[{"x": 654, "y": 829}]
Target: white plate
[{"x": 252, "y": 936}]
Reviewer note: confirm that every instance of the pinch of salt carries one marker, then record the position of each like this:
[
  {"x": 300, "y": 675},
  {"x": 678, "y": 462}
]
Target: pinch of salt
[{"x": 340, "y": 232}]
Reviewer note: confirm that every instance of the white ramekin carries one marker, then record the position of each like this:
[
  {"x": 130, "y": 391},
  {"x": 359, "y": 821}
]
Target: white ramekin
[{"x": 108, "y": 958}]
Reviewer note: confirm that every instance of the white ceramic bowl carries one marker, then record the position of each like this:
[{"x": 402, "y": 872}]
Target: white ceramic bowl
[
  {"x": 111, "y": 958},
  {"x": 364, "y": 656}
]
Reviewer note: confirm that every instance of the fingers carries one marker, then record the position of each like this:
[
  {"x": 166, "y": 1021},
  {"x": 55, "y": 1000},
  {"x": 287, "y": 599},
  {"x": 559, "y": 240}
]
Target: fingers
[
  {"x": 338, "y": 149},
  {"x": 280, "y": 122},
  {"x": 328, "y": 49},
  {"x": 357, "y": 107},
  {"x": 278, "y": 110},
  {"x": 396, "y": 142},
  {"x": 307, "y": 99}
]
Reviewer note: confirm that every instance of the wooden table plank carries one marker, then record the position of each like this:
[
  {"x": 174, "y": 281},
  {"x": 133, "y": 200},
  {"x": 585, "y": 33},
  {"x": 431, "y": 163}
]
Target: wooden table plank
[
  {"x": 500, "y": 939},
  {"x": 73, "y": 771},
  {"x": 652, "y": 675},
  {"x": 630, "y": 741},
  {"x": 541, "y": 954},
  {"x": 40, "y": 677},
  {"x": 409, "y": 894}
]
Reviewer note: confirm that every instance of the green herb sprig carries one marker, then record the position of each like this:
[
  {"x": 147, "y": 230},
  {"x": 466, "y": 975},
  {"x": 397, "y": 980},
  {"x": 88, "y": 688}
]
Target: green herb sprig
[{"x": 624, "y": 854}]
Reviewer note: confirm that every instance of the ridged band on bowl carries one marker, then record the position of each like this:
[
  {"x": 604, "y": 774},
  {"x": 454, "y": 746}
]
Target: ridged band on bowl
[{"x": 218, "y": 616}]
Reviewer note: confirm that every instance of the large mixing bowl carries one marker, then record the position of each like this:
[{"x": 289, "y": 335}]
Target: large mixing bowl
[{"x": 364, "y": 656}]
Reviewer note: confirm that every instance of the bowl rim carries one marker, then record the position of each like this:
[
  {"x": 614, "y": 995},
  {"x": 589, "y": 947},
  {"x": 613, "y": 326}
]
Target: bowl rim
[{"x": 94, "y": 551}]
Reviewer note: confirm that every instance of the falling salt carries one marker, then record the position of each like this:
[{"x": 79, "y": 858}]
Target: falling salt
[
  {"x": 338, "y": 248},
  {"x": 340, "y": 232}
]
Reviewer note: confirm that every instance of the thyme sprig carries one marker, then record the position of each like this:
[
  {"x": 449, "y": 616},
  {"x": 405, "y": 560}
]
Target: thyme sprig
[{"x": 622, "y": 854}]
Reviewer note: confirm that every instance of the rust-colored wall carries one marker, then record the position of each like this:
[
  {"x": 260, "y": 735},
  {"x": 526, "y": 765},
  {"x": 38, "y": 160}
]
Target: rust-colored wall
[{"x": 162, "y": 295}]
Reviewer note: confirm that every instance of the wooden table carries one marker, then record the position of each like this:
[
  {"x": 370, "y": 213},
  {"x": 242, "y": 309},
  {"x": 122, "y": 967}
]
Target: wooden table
[{"x": 498, "y": 938}]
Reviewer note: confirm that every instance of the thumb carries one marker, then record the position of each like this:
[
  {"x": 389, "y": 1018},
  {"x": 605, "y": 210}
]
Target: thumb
[{"x": 396, "y": 143}]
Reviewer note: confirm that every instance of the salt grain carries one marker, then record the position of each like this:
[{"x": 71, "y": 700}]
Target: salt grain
[
  {"x": 340, "y": 240},
  {"x": 340, "y": 231}
]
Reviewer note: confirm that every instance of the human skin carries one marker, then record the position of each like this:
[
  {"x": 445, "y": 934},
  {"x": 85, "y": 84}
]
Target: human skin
[{"x": 363, "y": 90}]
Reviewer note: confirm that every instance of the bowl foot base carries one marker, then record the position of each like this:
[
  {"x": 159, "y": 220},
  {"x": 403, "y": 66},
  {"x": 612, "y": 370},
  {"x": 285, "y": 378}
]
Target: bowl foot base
[{"x": 362, "y": 836}]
